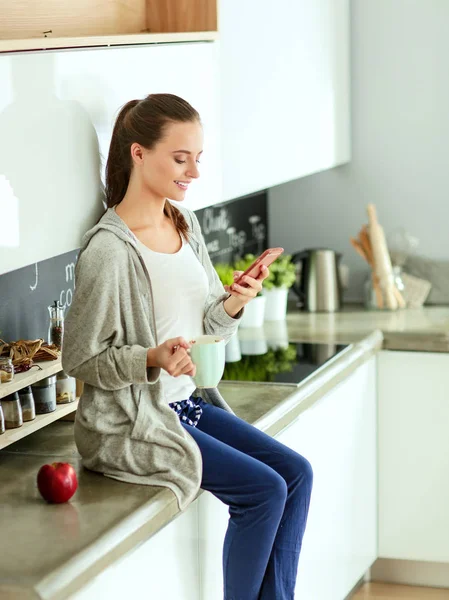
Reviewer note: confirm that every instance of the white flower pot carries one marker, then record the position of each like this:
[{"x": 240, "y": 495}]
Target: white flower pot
[
  {"x": 254, "y": 313},
  {"x": 277, "y": 334},
  {"x": 253, "y": 341},
  {"x": 276, "y": 305},
  {"x": 232, "y": 349}
]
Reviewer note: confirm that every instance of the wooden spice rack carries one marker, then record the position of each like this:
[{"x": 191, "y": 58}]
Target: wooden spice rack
[
  {"x": 13, "y": 435},
  {"x": 20, "y": 381}
]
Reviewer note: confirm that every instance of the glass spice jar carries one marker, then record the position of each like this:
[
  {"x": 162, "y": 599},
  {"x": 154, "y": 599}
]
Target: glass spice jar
[
  {"x": 2, "y": 420},
  {"x": 56, "y": 327},
  {"x": 6, "y": 369},
  {"x": 370, "y": 299},
  {"x": 44, "y": 393},
  {"x": 65, "y": 388},
  {"x": 12, "y": 411},
  {"x": 27, "y": 403}
]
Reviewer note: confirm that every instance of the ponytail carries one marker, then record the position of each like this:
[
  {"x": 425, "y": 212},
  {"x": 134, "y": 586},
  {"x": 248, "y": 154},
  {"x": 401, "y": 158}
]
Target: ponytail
[
  {"x": 177, "y": 218},
  {"x": 118, "y": 166}
]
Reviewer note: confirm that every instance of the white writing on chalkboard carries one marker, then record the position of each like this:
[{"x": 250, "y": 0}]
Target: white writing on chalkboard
[
  {"x": 213, "y": 246},
  {"x": 70, "y": 272},
  {"x": 232, "y": 230},
  {"x": 258, "y": 231},
  {"x": 36, "y": 280},
  {"x": 214, "y": 223},
  {"x": 237, "y": 239},
  {"x": 66, "y": 296}
]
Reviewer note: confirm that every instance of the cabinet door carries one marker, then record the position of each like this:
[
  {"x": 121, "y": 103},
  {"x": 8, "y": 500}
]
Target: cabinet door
[
  {"x": 68, "y": 125},
  {"x": 213, "y": 522},
  {"x": 414, "y": 456},
  {"x": 165, "y": 566},
  {"x": 284, "y": 90},
  {"x": 338, "y": 436}
]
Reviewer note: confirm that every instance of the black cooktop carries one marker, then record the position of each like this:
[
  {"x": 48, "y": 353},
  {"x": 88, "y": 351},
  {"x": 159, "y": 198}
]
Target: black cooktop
[{"x": 288, "y": 362}]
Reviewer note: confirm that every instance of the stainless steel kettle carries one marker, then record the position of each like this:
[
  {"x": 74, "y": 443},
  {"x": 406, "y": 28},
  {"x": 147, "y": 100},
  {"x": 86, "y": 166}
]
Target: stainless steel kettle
[{"x": 318, "y": 283}]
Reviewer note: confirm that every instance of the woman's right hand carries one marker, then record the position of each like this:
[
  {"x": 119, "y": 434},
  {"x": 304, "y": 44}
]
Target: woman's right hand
[{"x": 172, "y": 356}]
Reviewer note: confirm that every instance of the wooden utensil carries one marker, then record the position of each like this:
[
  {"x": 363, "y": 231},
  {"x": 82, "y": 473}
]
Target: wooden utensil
[
  {"x": 377, "y": 289},
  {"x": 366, "y": 243},
  {"x": 359, "y": 249},
  {"x": 365, "y": 252},
  {"x": 365, "y": 240},
  {"x": 382, "y": 262}
]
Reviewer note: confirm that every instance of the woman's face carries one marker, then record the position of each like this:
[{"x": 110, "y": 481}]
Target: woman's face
[{"x": 169, "y": 168}]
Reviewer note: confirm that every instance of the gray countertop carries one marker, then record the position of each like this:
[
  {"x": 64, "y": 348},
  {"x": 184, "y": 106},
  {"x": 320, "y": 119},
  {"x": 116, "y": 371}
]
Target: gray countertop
[
  {"x": 421, "y": 329},
  {"x": 53, "y": 550}
]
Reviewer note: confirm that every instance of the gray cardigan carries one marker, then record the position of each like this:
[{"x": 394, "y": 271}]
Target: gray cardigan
[{"x": 124, "y": 428}]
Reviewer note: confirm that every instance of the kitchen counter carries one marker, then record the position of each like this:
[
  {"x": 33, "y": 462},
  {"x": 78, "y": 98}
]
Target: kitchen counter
[
  {"x": 54, "y": 550},
  {"x": 422, "y": 329}
]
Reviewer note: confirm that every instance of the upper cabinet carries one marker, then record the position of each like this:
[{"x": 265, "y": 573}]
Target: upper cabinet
[
  {"x": 63, "y": 105},
  {"x": 30, "y": 25},
  {"x": 284, "y": 90}
]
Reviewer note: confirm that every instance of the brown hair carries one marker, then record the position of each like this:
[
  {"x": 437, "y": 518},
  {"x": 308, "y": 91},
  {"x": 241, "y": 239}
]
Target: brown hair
[{"x": 143, "y": 121}]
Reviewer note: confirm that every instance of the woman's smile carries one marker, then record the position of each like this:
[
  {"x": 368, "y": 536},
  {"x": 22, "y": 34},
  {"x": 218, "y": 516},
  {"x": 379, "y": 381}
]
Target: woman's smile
[{"x": 183, "y": 185}]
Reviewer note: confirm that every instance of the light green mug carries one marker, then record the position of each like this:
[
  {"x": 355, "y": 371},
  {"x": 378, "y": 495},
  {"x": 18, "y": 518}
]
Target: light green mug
[{"x": 208, "y": 355}]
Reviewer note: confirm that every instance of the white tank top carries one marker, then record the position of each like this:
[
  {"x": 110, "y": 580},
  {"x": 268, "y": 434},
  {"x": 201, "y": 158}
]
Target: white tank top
[{"x": 180, "y": 287}]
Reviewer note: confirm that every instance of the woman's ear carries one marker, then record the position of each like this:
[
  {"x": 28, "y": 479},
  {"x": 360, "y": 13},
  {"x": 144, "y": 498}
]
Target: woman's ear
[{"x": 137, "y": 153}]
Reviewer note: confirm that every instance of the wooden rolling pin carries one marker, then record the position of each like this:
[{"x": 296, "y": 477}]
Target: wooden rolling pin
[
  {"x": 366, "y": 244},
  {"x": 365, "y": 241},
  {"x": 365, "y": 253},
  {"x": 382, "y": 262}
]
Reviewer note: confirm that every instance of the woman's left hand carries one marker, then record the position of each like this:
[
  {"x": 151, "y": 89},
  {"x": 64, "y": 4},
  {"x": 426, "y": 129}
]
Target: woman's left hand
[{"x": 245, "y": 294}]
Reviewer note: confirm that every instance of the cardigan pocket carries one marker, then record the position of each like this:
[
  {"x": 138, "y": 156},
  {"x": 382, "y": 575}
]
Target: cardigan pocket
[
  {"x": 141, "y": 424},
  {"x": 128, "y": 401}
]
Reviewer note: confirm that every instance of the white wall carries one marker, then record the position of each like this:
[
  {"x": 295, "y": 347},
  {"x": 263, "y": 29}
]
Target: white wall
[{"x": 400, "y": 139}]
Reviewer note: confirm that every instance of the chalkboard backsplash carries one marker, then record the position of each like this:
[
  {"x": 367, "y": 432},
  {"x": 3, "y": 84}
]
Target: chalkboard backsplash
[
  {"x": 230, "y": 230},
  {"x": 235, "y": 228}
]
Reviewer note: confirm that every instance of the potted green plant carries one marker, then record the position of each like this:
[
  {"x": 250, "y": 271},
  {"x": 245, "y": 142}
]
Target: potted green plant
[
  {"x": 281, "y": 278},
  {"x": 262, "y": 368},
  {"x": 253, "y": 341},
  {"x": 225, "y": 272},
  {"x": 276, "y": 333},
  {"x": 254, "y": 310}
]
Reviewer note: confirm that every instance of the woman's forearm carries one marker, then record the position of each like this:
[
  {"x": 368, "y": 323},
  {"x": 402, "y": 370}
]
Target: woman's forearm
[{"x": 233, "y": 306}]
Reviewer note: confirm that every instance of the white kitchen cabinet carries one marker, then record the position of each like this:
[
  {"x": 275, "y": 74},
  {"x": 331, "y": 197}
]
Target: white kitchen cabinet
[
  {"x": 68, "y": 126},
  {"x": 214, "y": 517},
  {"x": 338, "y": 436},
  {"x": 285, "y": 90},
  {"x": 414, "y": 456},
  {"x": 164, "y": 567}
]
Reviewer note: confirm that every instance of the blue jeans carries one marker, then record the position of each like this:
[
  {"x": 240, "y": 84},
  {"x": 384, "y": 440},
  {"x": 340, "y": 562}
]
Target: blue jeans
[{"x": 267, "y": 487}]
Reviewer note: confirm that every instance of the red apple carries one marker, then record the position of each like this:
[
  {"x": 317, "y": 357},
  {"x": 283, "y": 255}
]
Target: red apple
[{"x": 57, "y": 482}]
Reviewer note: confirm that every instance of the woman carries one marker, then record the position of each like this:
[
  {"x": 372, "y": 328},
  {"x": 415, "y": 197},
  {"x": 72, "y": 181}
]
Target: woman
[{"x": 144, "y": 286}]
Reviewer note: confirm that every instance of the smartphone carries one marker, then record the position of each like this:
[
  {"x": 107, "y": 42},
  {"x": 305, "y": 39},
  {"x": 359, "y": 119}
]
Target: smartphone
[{"x": 266, "y": 258}]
